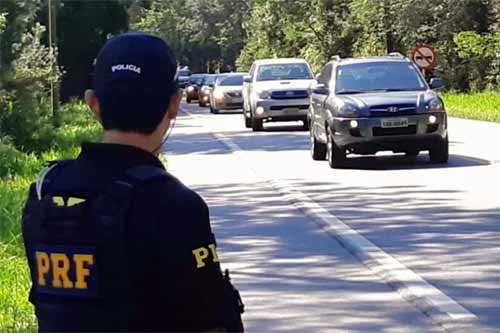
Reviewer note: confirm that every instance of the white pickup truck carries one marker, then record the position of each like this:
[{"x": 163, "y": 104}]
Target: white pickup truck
[{"x": 277, "y": 90}]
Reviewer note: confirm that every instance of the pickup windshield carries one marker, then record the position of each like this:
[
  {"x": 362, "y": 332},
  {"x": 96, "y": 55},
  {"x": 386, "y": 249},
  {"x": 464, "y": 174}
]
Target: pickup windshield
[
  {"x": 284, "y": 72},
  {"x": 378, "y": 76}
]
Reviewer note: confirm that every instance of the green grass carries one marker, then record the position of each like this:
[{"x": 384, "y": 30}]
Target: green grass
[
  {"x": 17, "y": 171},
  {"x": 480, "y": 106}
]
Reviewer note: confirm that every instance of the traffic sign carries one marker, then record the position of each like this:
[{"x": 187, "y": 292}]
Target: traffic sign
[{"x": 424, "y": 56}]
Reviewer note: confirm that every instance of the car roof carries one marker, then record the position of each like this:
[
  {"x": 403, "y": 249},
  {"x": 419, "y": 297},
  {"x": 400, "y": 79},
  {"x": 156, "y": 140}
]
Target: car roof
[
  {"x": 350, "y": 61},
  {"x": 280, "y": 61}
]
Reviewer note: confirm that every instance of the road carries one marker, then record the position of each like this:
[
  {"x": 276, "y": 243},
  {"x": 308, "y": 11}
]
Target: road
[{"x": 440, "y": 223}]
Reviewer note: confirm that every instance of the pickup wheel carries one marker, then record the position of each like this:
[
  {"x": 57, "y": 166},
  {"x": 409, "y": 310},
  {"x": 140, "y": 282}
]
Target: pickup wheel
[
  {"x": 307, "y": 125},
  {"x": 439, "y": 153},
  {"x": 256, "y": 124},
  {"x": 336, "y": 156},
  {"x": 214, "y": 111},
  {"x": 248, "y": 121},
  {"x": 188, "y": 100},
  {"x": 318, "y": 149}
]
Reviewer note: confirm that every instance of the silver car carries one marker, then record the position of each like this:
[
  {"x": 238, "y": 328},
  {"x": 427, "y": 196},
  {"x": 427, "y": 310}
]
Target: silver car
[
  {"x": 276, "y": 90},
  {"x": 227, "y": 93}
]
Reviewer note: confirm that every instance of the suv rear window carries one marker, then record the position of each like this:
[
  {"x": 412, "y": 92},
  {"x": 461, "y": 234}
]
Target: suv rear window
[
  {"x": 284, "y": 72},
  {"x": 378, "y": 76}
]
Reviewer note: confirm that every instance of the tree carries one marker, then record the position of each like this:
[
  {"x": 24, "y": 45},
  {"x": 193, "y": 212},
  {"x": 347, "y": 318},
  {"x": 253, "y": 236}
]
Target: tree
[
  {"x": 206, "y": 35},
  {"x": 83, "y": 27}
]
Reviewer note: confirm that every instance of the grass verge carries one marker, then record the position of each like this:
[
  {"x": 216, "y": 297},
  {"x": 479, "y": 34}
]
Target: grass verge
[{"x": 479, "y": 106}]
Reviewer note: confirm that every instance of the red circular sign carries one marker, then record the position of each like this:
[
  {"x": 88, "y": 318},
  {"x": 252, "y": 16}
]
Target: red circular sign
[{"x": 424, "y": 56}]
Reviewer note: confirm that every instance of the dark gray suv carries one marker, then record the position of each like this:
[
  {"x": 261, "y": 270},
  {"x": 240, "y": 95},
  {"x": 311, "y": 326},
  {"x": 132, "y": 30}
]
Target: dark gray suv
[{"x": 366, "y": 105}]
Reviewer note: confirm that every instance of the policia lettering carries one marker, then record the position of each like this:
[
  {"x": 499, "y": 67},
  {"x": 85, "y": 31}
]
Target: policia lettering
[
  {"x": 202, "y": 253},
  {"x": 58, "y": 266}
]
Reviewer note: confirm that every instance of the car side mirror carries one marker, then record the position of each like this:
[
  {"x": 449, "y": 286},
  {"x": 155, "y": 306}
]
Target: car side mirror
[
  {"x": 321, "y": 89},
  {"x": 437, "y": 83},
  {"x": 247, "y": 79}
]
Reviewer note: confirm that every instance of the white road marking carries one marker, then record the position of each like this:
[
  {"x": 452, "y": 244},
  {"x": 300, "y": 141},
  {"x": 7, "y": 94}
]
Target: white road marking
[{"x": 439, "y": 307}]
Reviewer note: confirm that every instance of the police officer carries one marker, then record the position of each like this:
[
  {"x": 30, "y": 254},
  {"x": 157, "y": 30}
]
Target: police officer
[{"x": 114, "y": 242}]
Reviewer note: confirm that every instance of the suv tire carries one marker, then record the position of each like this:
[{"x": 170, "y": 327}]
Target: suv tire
[
  {"x": 439, "y": 153},
  {"x": 214, "y": 111},
  {"x": 318, "y": 149},
  {"x": 336, "y": 156},
  {"x": 256, "y": 124},
  {"x": 188, "y": 100}
]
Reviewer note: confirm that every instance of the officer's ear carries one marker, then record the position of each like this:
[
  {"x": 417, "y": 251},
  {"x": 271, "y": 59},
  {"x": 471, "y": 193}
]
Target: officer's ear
[
  {"x": 93, "y": 103},
  {"x": 174, "y": 105}
]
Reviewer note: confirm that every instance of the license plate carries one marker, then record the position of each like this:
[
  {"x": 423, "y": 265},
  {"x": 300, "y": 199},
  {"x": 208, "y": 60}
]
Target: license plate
[
  {"x": 290, "y": 110},
  {"x": 393, "y": 123}
]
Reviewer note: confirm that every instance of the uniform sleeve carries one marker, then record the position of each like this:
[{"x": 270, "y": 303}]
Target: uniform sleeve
[{"x": 189, "y": 263}]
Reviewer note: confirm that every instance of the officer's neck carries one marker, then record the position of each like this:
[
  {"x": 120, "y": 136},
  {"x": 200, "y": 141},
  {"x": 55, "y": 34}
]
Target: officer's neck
[{"x": 142, "y": 141}]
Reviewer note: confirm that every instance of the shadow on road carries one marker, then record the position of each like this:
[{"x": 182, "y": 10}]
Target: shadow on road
[
  {"x": 294, "y": 277},
  {"x": 277, "y": 255}
]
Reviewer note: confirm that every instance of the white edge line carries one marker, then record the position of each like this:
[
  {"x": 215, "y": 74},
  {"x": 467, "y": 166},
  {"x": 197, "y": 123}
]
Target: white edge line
[{"x": 439, "y": 307}]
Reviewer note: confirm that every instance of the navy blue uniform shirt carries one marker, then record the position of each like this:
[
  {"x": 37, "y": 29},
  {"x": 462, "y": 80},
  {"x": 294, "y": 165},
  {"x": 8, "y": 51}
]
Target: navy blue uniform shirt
[{"x": 176, "y": 282}]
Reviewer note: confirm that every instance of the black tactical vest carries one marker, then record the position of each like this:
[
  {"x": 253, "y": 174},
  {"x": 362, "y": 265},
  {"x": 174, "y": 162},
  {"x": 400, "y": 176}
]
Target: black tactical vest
[{"x": 77, "y": 253}]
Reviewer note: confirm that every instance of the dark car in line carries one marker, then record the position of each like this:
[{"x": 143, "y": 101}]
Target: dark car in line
[
  {"x": 183, "y": 76},
  {"x": 207, "y": 86},
  {"x": 193, "y": 87},
  {"x": 227, "y": 92},
  {"x": 367, "y": 105}
]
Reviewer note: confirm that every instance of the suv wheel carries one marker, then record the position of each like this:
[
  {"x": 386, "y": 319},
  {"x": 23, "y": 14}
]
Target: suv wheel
[
  {"x": 336, "y": 156},
  {"x": 188, "y": 100},
  {"x": 318, "y": 149},
  {"x": 214, "y": 111},
  {"x": 439, "y": 153},
  {"x": 256, "y": 124}
]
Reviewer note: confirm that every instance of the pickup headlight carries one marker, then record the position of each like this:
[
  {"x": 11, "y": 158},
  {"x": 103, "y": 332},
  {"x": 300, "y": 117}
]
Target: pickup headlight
[
  {"x": 348, "y": 110},
  {"x": 264, "y": 94},
  {"x": 190, "y": 88},
  {"x": 435, "y": 105}
]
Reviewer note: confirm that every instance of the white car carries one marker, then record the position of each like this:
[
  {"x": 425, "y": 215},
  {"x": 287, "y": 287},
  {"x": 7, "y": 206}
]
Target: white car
[{"x": 277, "y": 90}]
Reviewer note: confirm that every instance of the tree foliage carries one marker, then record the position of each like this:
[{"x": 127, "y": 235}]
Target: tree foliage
[{"x": 205, "y": 34}]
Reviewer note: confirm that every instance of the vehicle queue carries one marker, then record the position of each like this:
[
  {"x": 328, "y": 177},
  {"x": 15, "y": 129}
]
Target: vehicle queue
[{"x": 353, "y": 106}]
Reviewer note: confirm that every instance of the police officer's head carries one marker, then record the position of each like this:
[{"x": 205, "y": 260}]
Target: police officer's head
[{"x": 135, "y": 92}]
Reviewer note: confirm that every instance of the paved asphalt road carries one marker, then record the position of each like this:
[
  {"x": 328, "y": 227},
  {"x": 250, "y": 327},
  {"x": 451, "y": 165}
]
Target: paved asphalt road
[{"x": 442, "y": 222}]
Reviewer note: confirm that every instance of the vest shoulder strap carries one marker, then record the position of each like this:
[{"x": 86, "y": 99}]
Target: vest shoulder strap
[{"x": 43, "y": 175}]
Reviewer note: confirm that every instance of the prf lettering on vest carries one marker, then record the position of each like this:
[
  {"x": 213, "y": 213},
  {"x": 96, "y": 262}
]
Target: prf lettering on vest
[
  {"x": 58, "y": 266},
  {"x": 201, "y": 255}
]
